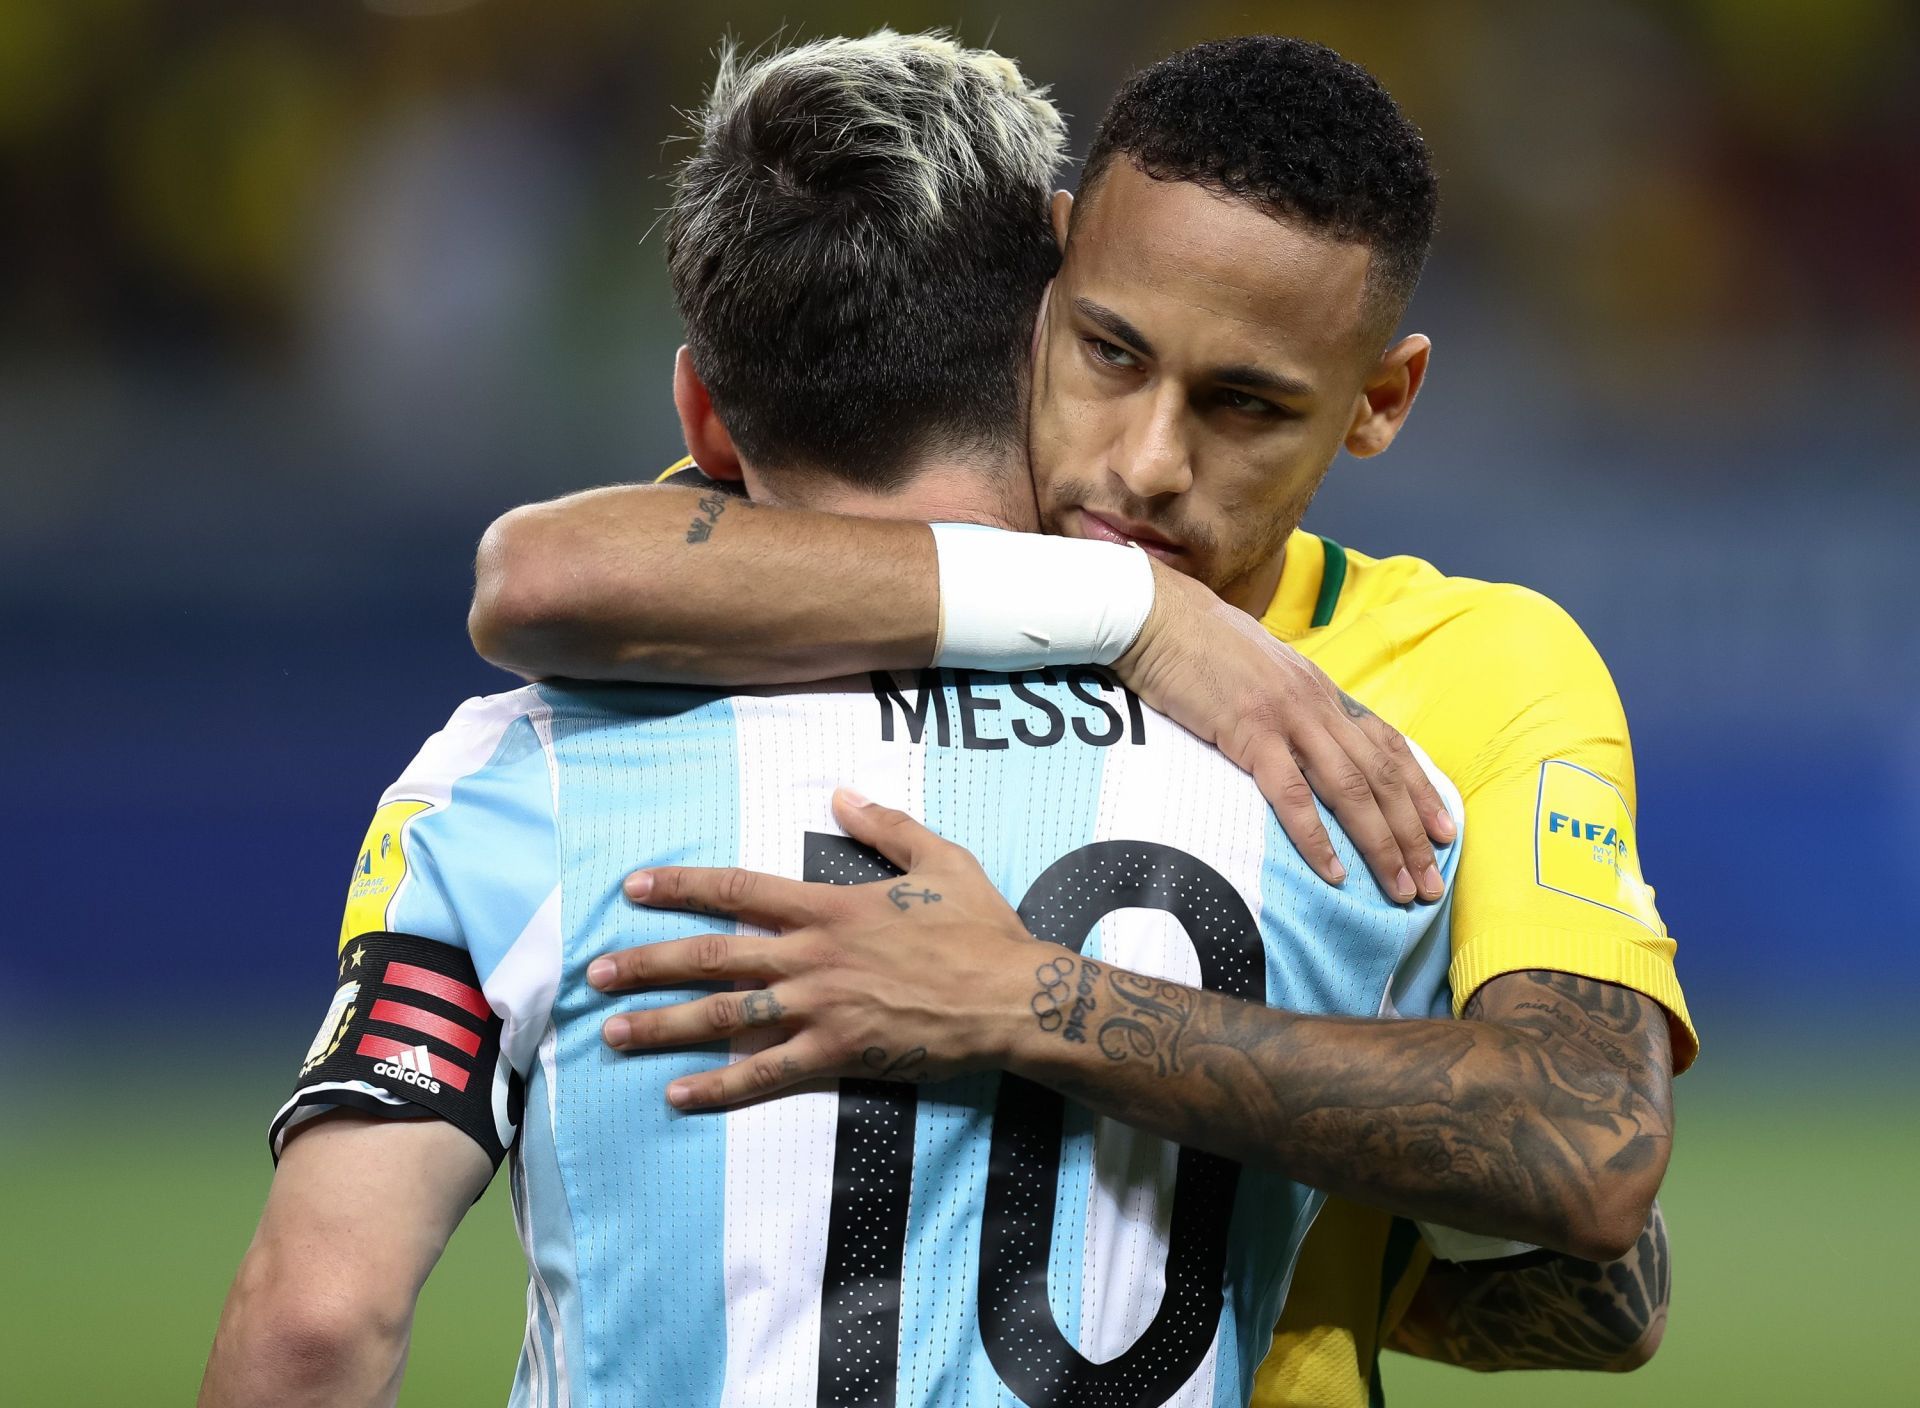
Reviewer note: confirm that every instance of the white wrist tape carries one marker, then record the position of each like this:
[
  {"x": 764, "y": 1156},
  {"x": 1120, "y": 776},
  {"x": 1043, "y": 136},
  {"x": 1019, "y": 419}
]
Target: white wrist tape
[{"x": 1018, "y": 601}]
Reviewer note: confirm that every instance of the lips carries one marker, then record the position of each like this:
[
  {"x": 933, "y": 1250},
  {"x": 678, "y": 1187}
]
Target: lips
[{"x": 1109, "y": 528}]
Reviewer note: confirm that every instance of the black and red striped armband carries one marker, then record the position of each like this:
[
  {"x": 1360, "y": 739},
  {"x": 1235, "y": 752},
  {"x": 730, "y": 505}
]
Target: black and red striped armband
[{"x": 409, "y": 1032}]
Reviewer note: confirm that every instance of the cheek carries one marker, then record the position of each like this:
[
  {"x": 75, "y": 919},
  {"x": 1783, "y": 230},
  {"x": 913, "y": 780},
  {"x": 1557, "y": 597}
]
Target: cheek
[
  {"x": 1073, "y": 421},
  {"x": 1242, "y": 507}
]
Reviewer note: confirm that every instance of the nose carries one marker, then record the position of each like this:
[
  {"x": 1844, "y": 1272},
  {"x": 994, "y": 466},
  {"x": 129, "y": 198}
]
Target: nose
[{"x": 1153, "y": 457}]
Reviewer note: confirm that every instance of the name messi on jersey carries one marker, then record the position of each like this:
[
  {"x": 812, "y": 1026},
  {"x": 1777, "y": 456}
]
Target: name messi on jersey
[{"x": 947, "y": 708}]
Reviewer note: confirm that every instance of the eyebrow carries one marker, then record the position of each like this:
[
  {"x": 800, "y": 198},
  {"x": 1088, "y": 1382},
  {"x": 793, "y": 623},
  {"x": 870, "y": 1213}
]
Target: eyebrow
[
  {"x": 1255, "y": 379},
  {"x": 1104, "y": 317},
  {"x": 1251, "y": 377}
]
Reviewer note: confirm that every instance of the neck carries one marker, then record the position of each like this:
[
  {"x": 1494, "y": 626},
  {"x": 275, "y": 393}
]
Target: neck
[
  {"x": 992, "y": 489},
  {"x": 1253, "y": 593}
]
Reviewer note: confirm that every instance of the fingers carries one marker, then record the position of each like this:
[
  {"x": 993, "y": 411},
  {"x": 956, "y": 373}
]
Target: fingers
[
  {"x": 894, "y": 834},
  {"x": 1287, "y": 791},
  {"x": 713, "y": 1018},
  {"x": 752, "y": 1077},
  {"x": 766, "y": 901},
  {"x": 704, "y": 958},
  {"x": 717, "y": 1018},
  {"x": 1426, "y": 797},
  {"x": 1348, "y": 793},
  {"x": 1392, "y": 782}
]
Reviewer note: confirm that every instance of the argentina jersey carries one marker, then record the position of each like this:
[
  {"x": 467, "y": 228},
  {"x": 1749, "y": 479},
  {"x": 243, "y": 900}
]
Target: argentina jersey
[{"x": 978, "y": 1241}]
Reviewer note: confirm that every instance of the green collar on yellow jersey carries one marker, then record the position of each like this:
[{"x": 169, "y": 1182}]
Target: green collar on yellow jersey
[
  {"x": 1333, "y": 576},
  {"x": 1312, "y": 576}
]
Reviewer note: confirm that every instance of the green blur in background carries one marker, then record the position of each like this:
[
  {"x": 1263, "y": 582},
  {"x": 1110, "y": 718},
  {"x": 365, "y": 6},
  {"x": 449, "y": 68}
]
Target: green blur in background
[{"x": 1787, "y": 1198}]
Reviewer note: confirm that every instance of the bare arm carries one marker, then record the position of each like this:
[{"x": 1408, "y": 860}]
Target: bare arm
[
  {"x": 1544, "y": 1115},
  {"x": 1561, "y": 1313},
  {"x": 321, "y": 1310},
  {"x": 665, "y": 583}
]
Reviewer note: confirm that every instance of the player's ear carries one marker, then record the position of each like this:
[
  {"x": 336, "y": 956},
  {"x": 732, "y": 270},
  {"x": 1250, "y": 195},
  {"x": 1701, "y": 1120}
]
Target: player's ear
[
  {"x": 707, "y": 439},
  {"x": 1062, "y": 216},
  {"x": 1387, "y": 398}
]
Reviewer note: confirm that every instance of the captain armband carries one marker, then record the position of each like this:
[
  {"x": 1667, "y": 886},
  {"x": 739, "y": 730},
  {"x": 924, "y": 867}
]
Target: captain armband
[
  {"x": 409, "y": 1032},
  {"x": 1019, "y": 601}
]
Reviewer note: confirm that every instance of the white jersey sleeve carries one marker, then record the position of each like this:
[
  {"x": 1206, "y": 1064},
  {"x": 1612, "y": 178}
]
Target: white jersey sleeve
[{"x": 449, "y": 946}]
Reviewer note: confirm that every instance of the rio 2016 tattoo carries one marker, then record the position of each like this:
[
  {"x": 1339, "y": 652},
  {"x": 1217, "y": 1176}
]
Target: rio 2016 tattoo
[
  {"x": 1065, "y": 997},
  {"x": 760, "y": 1009},
  {"x": 905, "y": 897},
  {"x": 1083, "y": 1002},
  {"x": 1144, "y": 1017},
  {"x": 1047, "y": 1003},
  {"x": 1562, "y": 1313},
  {"x": 910, "y": 1066},
  {"x": 707, "y": 518}
]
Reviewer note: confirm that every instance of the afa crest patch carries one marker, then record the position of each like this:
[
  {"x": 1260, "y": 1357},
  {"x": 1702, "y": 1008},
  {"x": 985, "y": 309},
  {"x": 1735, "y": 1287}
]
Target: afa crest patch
[
  {"x": 333, "y": 1026},
  {"x": 378, "y": 870},
  {"x": 1584, "y": 843}
]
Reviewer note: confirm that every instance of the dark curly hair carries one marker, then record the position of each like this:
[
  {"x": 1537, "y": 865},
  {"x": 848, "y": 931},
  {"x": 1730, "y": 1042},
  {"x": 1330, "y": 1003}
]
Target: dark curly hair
[{"x": 1298, "y": 131}]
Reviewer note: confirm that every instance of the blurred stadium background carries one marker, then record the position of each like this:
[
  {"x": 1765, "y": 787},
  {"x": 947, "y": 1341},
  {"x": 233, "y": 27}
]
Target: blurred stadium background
[{"x": 296, "y": 299}]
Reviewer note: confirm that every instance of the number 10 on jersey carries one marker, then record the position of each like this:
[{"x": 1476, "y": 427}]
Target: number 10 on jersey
[{"x": 873, "y": 1166}]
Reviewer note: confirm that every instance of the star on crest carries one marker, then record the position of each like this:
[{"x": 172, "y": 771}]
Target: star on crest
[{"x": 359, "y": 952}]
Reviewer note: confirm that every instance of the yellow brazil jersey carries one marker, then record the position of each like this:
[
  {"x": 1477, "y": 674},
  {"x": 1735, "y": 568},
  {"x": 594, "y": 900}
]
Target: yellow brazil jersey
[{"x": 1511, "y": 701}]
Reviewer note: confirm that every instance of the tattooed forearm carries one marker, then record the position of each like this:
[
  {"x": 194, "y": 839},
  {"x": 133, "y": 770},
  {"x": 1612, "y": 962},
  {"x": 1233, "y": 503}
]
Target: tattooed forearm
[
  {"x": 1149, "y": 1018},
  {"x": 1563, "y": 1313},
  {"x": 1545, "y": 1116},
  {"x": 1134, "y": 1018},
  {"x": 1065, "y": 997}
]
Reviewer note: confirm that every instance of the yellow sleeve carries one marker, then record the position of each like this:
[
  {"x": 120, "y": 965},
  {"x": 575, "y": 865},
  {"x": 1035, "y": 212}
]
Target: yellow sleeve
[{"x": 1550, "y": 873}]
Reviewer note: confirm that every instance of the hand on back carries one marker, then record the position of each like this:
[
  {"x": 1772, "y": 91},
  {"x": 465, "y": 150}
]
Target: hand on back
[{"x": 1217, "y": 672}]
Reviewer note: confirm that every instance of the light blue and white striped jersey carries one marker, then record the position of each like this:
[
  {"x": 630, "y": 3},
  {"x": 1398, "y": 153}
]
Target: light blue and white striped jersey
[{"x": 976, "y": 1241}]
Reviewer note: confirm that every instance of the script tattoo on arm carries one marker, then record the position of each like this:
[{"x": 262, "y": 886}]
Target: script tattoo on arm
[
  {"x": 1149, "y": 1018},
  {"x": 706, "y": 517},
  {"x": 1065, "y": 997},
  {"x": 909, "y": 1067},
  {"x": 1145, "y": 1017},
  {"x": 1562, "y": 1313},
  {"x": 1545, "y": 1114}
]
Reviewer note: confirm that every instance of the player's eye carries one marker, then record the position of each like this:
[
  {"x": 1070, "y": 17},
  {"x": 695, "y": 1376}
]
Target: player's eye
[
  {"x": 1246, "y": 403},
  {"x": 1110, "y": 354}
]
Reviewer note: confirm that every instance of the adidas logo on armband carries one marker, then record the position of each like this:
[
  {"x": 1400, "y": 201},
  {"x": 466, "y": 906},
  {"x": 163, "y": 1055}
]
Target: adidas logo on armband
[{"x": 413, "y": 1066}]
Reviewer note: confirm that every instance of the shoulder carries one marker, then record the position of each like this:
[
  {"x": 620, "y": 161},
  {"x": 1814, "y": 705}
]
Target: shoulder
[
  {"x": 1504, "y": 636},
  {"x": 489, "y": 732}
]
